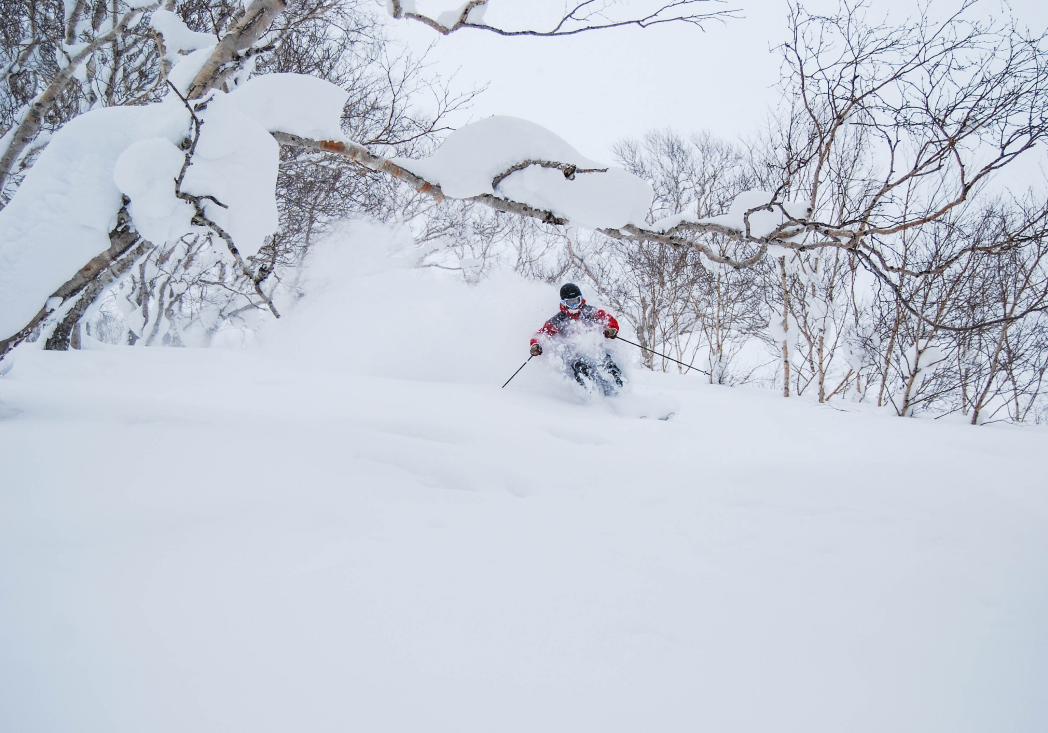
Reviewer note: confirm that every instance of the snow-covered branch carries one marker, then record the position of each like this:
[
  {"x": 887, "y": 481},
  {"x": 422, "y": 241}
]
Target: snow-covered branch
[
  {"x": 363, "y": 157},
  {"x": 256, "y": 21},
  {"x": 568, "y": 169},
  {"x": 225, "y": 182},
  {"x": 607, "y": 200},
  {"x": 125, "y": 247},
  {"x": 200, "y": 217}
]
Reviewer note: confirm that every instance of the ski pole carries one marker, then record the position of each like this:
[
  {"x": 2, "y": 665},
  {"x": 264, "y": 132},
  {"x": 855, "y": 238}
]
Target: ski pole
[
  {"x": 662, "y": 355},
  {"x": 518, "y": 371}
]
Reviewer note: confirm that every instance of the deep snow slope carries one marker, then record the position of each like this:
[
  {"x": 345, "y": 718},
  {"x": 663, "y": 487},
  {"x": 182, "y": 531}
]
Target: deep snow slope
[{"x": 349, "y": 526}]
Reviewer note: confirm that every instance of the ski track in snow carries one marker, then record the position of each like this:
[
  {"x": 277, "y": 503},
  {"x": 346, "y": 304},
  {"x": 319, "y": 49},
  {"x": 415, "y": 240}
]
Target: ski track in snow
[{"x": 328, "y": 534}]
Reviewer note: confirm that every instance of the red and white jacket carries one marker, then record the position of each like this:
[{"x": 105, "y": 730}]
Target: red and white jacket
[{"x": 566, "y": 322}]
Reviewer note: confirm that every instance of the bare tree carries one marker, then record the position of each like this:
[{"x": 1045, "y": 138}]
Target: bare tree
[
  {"x": 678, "y": 301},
  {"x": 1000, "y": 367}
]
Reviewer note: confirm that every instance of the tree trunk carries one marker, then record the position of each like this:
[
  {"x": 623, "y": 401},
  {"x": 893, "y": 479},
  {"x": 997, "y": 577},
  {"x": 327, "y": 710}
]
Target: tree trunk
[
  {"x": 991, "y": 371},
  {"x": 67, "y": 333},
  {"x": 257, "y": 19},
  {"x": 121, "y": 239},
  {"x": 785, "y": 329}
]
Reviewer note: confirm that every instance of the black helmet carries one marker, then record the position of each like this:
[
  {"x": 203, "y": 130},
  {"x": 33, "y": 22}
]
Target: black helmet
[{"x": 570, "y": 290}]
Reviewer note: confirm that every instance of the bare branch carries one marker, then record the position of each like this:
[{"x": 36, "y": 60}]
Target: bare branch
[
  {"x": 568, "y": 170},
  {"x": 590, "y": 15}
]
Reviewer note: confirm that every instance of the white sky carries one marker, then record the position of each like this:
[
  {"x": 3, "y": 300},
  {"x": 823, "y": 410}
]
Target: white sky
[{"x": 599, "y": 87}]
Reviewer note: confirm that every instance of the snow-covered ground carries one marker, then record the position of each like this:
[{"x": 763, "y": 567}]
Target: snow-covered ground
[{"x": 347, "y": 525}]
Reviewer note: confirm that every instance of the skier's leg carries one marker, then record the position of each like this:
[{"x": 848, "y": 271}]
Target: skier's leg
[
  {"x": 613, "y": 369},
  {"x": 581, "y": 368},
  {"x": 599, "y": 375}
]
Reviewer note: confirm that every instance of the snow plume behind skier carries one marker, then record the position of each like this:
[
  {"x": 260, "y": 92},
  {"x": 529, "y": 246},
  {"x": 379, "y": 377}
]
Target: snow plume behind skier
[{"x": 577, "y": 337}]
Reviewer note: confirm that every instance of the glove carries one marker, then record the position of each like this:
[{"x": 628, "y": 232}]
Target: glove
[
  {"x": 536, "y": 349},
  {"x": 610, "y": 333}
]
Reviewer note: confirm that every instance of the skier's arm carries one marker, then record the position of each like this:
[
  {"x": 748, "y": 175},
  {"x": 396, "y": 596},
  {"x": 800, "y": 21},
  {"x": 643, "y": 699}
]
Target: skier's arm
[
  {"x": 611, "y": 326},
  {"x": 549, "y": 330}
]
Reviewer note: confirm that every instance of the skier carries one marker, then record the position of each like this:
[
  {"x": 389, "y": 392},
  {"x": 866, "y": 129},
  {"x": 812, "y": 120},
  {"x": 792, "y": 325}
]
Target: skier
[{"x": 575, "y": 319}]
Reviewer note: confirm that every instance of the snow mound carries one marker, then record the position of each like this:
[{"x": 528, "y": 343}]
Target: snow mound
[
  {"x": 592, "y": 201},
  {"x": 473, "y": 156},
  {"x": 177, "y": 35},
  {"x": 293, "y": 103}
]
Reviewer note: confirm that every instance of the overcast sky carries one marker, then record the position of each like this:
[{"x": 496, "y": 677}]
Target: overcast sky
[{"x": 598, "y": 87}]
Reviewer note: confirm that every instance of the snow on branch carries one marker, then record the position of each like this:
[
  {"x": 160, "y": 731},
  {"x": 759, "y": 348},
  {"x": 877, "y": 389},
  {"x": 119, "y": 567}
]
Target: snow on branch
[
  {"x": 62, "y": 215},
  {"x": 584, "y": 16},
  {"x": 125, "y": 246},
  {"x": 518, "y": 167},
  {"x": 130, "y": 162},
  {"x": 177, "y": 35},
  {"x": 198, "y": 202},
  {"x": 171, "y": 168},
  {"x": 257, "y": 19}
]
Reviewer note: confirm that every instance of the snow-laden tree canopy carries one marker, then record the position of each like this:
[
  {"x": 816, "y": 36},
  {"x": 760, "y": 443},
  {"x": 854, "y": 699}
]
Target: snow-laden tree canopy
[
  {"x": 189, "y": 165},
  {"x": 61, "y": 216}
]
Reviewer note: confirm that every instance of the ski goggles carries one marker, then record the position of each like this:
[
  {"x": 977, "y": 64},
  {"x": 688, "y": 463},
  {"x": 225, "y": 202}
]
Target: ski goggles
[{"x": 572, "y": 302}]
